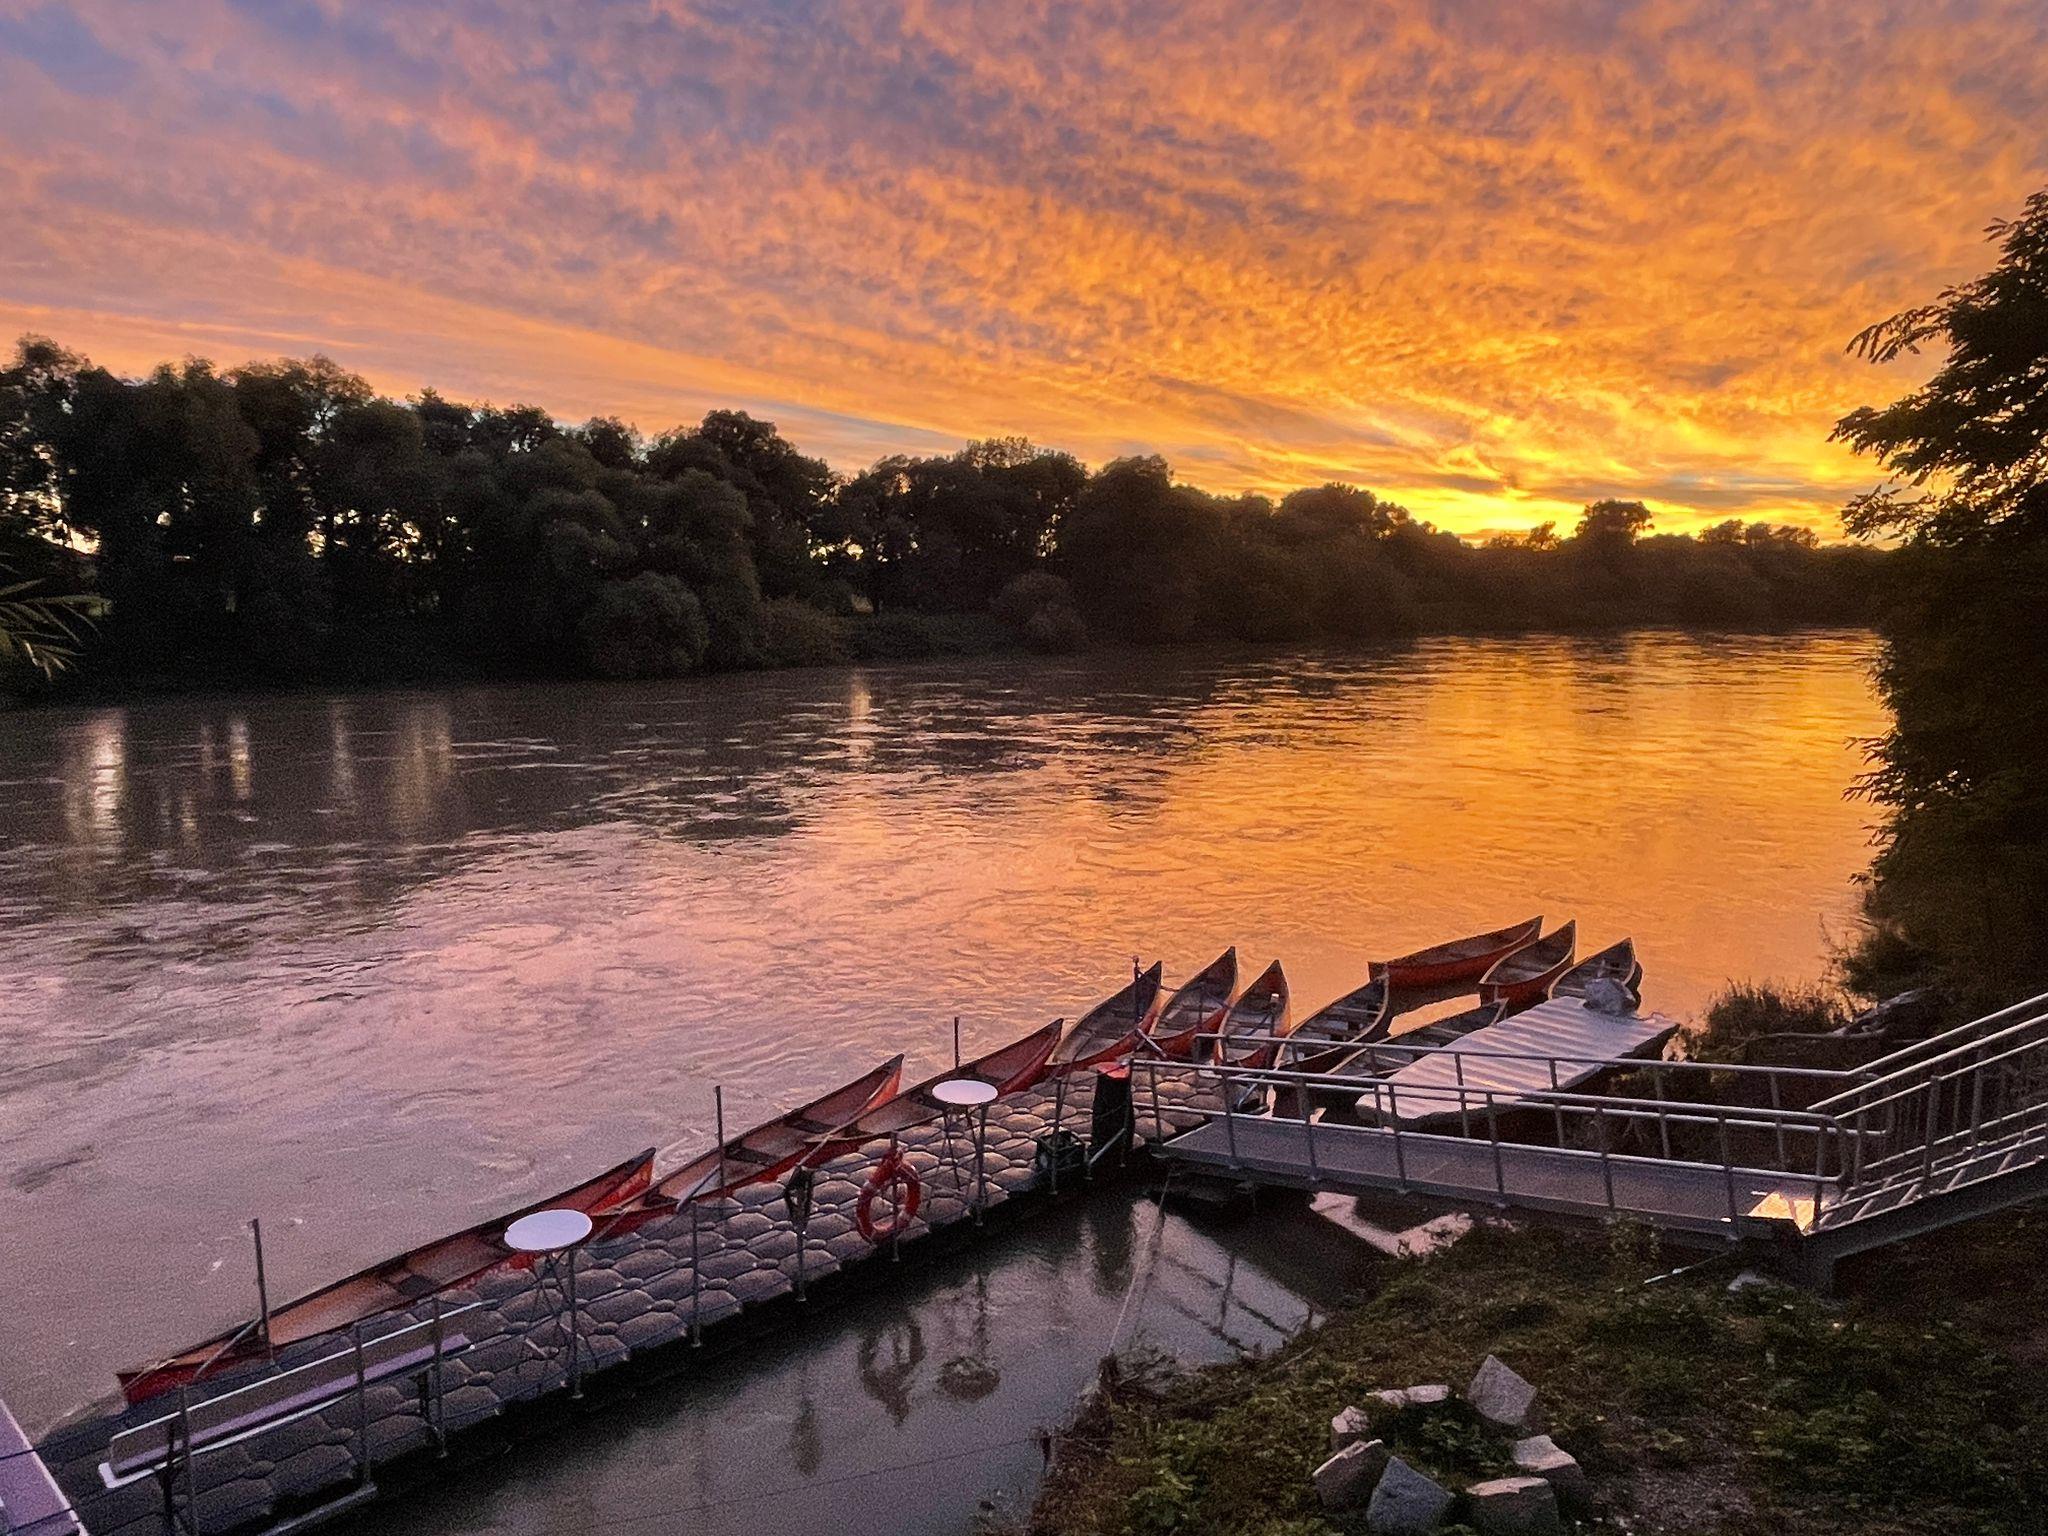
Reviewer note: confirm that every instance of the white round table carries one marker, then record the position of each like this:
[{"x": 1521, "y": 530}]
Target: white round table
[
  {"x": 964, "y": 1092},
  {"x": 968, "y": 1094},
  {"x": 553, "y": 1236},
  {"x": 548, "y": 1231}
]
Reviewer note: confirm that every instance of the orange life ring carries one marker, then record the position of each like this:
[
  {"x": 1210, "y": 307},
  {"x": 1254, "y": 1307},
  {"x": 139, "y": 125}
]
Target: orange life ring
[{"x": 894, "y": 1177}]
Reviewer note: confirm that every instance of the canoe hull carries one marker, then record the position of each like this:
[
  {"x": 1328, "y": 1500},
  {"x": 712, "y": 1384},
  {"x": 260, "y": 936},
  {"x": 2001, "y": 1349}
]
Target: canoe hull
[{"x": 1459, "y": 960}]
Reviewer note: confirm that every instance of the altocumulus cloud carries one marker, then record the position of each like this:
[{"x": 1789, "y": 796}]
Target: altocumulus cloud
[{"x": 1487, "y": 259}]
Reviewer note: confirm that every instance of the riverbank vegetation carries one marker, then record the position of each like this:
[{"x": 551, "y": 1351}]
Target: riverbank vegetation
[
  {"x": 283, "y": 523},
  {"x": 1914, "y": 1405}
]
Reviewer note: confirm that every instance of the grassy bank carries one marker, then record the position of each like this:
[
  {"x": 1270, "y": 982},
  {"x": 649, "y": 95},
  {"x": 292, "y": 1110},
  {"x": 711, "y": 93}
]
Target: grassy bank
[{"x": 1913, "y": 1404}]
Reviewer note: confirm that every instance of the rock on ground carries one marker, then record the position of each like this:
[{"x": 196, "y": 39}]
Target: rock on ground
[
  {"x": 1513, "y": 1506},
  {"x": 1348, "y": 1427},
  {"x": 1501, "y": 1397},
  {"x": 1406, "y": 1503},
  {"x": 1539, "y": 1456},
  {"x": 1347, "y": 1479}
]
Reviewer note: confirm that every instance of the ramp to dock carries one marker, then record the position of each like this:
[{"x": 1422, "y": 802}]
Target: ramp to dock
[
  {"x": 31, "y": 1503},
  {"x": 1357, "y": 1159}
]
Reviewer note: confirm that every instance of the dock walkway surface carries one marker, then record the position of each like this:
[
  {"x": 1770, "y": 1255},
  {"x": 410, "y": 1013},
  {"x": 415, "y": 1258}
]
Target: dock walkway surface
[
  {"x": 638, "y": 1296},
  {"x": 1555, "y": 1045}
]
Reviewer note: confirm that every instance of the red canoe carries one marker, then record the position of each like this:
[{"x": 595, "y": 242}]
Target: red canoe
[
  {"x": 399, "y": 1282},
  {"x": 1459, "y": 960},
  {"x": 1111, "y": 1028},
  {"x": 1264, "y": 1009},
  {"x": 1198, "y": 1007},
  {"x": 1525, "y": 976},
  {"x": 1011, "y": 1069},
  {"x": 1332, "y": 1034}
]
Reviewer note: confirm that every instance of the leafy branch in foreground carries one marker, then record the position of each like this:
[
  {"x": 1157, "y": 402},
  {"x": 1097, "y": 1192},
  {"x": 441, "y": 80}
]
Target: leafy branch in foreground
[{"x": 44, "y": 630}]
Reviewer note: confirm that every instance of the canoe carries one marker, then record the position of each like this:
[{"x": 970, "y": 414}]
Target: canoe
[
  {"x": 773, "y": 1148},
  {"x": 1197, "y": 1007},
  {"x": 1459, "y": 959},
  {"x": 1525, "y": 976},
  {"x": 1263, "y": 1009},
  {"x": 1327, "y": 1036},
  {"x": 1616, "y": 963},
  {"x": 409, "y": 1278},
  {"x": 1010, "y": 1069},
  {"x": 1383, "y": 1055},
  {"x": 1111, "y": 1028}
]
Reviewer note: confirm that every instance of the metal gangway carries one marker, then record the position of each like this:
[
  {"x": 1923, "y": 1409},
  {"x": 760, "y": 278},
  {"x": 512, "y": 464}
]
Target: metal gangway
[{"x": 1819, "y": 1163}]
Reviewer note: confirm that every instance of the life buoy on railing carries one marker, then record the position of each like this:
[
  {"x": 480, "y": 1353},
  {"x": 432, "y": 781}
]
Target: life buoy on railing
[{"x": 894, "y": 1179}]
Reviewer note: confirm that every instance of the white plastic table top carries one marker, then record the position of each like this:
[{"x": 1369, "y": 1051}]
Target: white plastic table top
[
  {"x": 548, "y": 1231},
  {"x": 964, "y": 1092}
]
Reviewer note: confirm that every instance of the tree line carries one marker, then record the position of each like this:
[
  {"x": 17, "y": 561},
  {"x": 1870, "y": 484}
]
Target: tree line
[{"x": 283, "y": 522}]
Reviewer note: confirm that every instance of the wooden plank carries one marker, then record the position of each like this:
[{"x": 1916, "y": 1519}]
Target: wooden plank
[{"x": 1513, "y": 1059}]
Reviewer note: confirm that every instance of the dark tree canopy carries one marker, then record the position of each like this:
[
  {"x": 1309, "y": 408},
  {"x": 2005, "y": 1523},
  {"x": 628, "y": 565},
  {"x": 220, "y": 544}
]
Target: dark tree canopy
[
  {"x": 1961, "y": 880},
  {"x": 284, "y": 522}
]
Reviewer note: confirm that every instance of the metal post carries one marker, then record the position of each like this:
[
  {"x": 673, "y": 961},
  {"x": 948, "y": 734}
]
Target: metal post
[
  {"x": 189, "y": 1515},
  {"x": 1158, "y": 1119},
  {"x": 1229, "y": 1116},
  {"x": 1059, "y": 1109},
  {"x": 1727, "y": 1167},
  {"x": 718, "y": 1108},
  {"x": 1777, "y": 1119},
  {"x": 956, "y": 1042},
  {"x": 1556, "y": 1104},
  {"x": 1394, "y": 1119},
  {"x": 262, "y": 1286},
  {"x": 1500, "y": 1174},
  {"x": 1927, "y": 1157},
  {"x": 696, "y": 1281},
  {"x": 1606, "y": 1161},
  {"x": 575, "y": 1339},
  {"x": 1308, "y": 1131},
  {"x": 896, "y": 1236},
  {"x": 362, "y": 1414},
  {"x": 440, "y": 1420},
  {"x": 981, "y": 1165},
  {"x": 1464, "y": 1114}
]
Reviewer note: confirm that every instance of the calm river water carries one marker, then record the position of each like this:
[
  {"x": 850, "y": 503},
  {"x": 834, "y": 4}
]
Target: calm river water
[{"x": 374, "y": 966}]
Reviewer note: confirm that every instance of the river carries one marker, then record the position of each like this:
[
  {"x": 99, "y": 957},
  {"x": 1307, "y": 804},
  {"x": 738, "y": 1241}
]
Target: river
[{"x": 371, "y": 966}]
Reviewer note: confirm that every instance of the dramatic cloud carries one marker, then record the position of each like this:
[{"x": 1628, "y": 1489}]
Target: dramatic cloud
[{"x": 1491, "y": 260}]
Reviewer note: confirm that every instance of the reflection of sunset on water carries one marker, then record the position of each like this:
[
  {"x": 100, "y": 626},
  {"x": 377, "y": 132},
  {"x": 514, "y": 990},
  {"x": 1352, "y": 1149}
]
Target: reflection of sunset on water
[{"x": 1492, "y": 261}]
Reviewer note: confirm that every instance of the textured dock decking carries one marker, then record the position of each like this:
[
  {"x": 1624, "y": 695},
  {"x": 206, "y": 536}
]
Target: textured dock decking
[
  {"x": 1363, "y": 1158},
  {"x": 637, "y": 1295},
  {"x": 1519, "y": 1056}
]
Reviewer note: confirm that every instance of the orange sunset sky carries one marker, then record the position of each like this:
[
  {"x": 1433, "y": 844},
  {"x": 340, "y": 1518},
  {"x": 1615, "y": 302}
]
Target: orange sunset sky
[{"x": 1490, "y": 260}]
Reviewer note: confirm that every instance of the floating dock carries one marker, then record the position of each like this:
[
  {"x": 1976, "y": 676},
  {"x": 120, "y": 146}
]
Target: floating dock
[{"x": 640, "y": 1302}]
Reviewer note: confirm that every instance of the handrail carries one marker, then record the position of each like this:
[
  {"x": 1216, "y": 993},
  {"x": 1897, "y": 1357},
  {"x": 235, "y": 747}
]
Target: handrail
[
  {"x": 1393, "y": 1042},
  {"x": 1918, "y": 1070},
  {"x": 1903, "y": 1056}
]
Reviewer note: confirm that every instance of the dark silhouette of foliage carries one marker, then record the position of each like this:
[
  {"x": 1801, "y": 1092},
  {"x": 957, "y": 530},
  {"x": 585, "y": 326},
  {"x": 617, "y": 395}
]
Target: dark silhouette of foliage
[
  {"x": 1961, "y": 881},
  {"x": 283, "y": 522}
]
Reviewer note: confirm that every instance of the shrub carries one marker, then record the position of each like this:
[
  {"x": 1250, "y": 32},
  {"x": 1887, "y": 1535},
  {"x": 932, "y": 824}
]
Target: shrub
[
  {"x": 650, "y": 626},
  {"x": 794, "y": 634},
  {"x": 1746, "y": 1011}
]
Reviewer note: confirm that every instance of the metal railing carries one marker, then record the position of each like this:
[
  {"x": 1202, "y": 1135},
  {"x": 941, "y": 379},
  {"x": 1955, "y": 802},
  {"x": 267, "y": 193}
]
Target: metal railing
[
  {"x": 1933, "y": 1116},
  {"x": 1600, "y": 1119}
]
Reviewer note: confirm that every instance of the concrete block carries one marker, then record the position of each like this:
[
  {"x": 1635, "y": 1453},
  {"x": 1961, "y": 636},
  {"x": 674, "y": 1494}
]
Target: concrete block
[
  {"x": 1501, "y": 1397},
  {"x": 1406, "y": 1502},
  {"x": 1347, "y": 1479},
  {"x": 1513, "y": 1506}
]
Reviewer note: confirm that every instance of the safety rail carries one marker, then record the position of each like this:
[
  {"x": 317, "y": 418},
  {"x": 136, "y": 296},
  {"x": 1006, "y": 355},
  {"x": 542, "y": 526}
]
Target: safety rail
[
  {"x": 1953, "y": 1111},
  {"x": 1817, "y": 1173}
]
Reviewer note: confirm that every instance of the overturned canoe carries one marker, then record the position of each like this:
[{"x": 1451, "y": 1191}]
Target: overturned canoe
[
  {"x": 1526, "y": 976},
  {"x": 1010, "y": 1069},
  {"x": 1197, "y": 1007},
  {"x": 1616, "y": 963},
  {"x": 1458, "y": 959},
  {"x": 397, "y": 1282},
  {"x": 1263, "y": 1010},
  {"x": 1111, "y": 1028}
]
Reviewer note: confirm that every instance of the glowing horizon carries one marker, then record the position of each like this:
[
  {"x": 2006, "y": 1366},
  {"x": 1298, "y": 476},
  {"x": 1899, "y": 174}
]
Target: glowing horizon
[{"x": 1490, "y": 264}]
